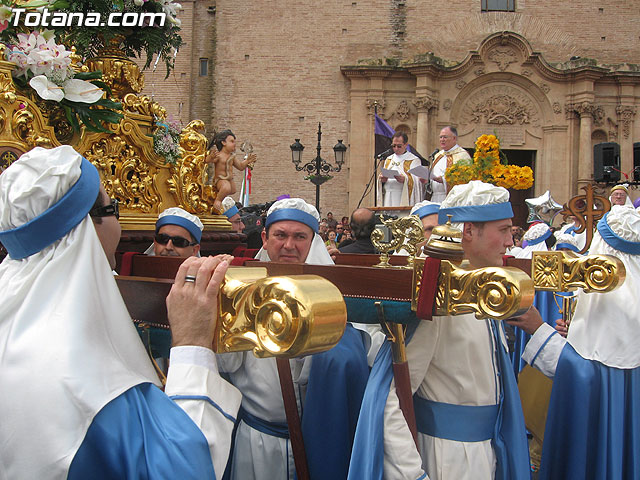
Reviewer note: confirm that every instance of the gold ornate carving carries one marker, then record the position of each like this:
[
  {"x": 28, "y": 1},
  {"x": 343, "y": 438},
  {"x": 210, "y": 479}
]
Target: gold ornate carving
[
  {"x": 119, "y": 72},
  {"x": 406, "y": 232},
  {"x": 490, "y": 292},
  {"x": 187, "y": 177},
  {"x": 124, "y": 173},
  {"x": 503, "y": 57},
  {"x": 566, "y": 271},
  {"x": 22, "y": 124},
  {"x": 377, "y": 237},
  {"x": 278, "y": 316},
  {"x": 143, "y": 105}
]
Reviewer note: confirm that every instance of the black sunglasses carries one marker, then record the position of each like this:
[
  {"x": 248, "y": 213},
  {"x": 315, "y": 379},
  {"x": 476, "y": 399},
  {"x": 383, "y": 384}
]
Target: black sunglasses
[
  {"x": 106, "y": 210},
  {"x": 180, "y": 242}
]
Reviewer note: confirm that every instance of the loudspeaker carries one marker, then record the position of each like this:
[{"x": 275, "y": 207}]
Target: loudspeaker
[
  {"x": 606, "y": 162},
  {"x": 636, "y": 162}
]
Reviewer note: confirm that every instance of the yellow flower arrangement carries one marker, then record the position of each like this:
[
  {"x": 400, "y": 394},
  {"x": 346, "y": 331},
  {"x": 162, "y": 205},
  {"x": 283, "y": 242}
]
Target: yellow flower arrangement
[{"x": 486, "y": 166}]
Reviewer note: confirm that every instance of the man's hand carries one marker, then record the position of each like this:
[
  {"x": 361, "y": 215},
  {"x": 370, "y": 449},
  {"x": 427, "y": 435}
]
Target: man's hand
[
  {"x": 562, "y": 328},
  {"x": 192, "y": 306},
  {"x": 529, "y": 322},
  {"x": 437, "y": 179},
  {"x": 399, "y": 178},
  {"x": 383, "y": 179},
  {"x": 423, "y": 180}
]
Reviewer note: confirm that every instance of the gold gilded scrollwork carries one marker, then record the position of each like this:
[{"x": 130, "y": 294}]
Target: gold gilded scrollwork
[
  {"x": 143, "y": 105},
  {"x": 186, "y": 181},
  {"x": 411, "y": 231},
  {"x": 22, "y": 125},
  {"x": 278, "y": 316},
  {"x": 490, "y": 292},
  {"x": 566, "y": 271},
  {"x": 124, "y": 173},
  {"x": 409, "y": 228}
]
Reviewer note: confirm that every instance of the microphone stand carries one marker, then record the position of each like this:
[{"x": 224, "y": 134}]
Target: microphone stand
[{"x": 376, "y": 164}]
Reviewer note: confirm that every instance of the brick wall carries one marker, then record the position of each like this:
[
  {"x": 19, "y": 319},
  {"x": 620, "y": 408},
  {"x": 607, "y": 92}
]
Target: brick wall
[{"x": 277, "y": 65}]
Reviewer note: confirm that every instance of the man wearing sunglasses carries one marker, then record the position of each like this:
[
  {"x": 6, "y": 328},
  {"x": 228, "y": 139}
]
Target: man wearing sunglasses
[
  {"x": 178, "y": 234},
  {"x": 72, "y": 366}
]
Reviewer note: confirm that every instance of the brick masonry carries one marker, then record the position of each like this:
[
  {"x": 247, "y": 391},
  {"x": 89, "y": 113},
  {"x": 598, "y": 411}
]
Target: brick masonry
[{"x": 274, "y": 66}]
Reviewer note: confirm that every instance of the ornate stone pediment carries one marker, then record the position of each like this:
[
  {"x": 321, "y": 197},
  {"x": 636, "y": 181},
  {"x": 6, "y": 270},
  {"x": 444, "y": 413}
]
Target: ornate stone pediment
[
  {"x": 500, "y": 105},
  {"x": 503, "y": 57}
]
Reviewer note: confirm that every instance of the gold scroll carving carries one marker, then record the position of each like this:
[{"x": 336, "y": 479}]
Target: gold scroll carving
[
  {"x": 490, "y": 292},
  {"x": 566, "y": 271},
  {"x": 278, "y": 316}
]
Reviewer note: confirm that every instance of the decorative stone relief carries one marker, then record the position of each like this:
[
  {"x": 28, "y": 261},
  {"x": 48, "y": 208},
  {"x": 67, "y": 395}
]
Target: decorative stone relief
[
  {"x": 371, "y": 103},
  {"x": 501, "y": 105},
  {"x": 626, "y": 114},
  {"x": 447, "y": 104},
  {"x": 425, "y": 103},
  {"x": 584, "y": 108},
  {"x": 527, "y": 73},
  {"x": 544, "y": 87},
  {"x": 557, "y": 108},
  {"x": 403, "y": 111},
  {"x": 598, "y": 116},
  {"x": 479, "y": 71},
  {"x": 460, "y": 84},
  {"x": 503, "y": 57},
  {"x": 613, "y": 130}
]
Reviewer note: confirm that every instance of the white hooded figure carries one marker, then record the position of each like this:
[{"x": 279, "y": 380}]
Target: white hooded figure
[
  {"x": 535, "y": 239},
  {"x": 595, "y": 369},
  {"x": 459, "y": 366},
  {"x": 262, "y": 448},
  {"x": 79, "y": 393}
]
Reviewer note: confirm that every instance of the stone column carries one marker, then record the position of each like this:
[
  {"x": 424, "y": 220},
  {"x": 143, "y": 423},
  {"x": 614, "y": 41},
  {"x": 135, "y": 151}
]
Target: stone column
[
  {"x": 585, "y": 155},
  {"x": 423, "y": 106}
]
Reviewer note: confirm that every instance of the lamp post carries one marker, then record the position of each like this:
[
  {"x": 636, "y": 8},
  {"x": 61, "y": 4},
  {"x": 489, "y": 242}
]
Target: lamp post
[{"x": 317, "y": 168}]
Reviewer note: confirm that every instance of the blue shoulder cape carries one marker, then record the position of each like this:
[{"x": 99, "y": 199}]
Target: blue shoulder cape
[{"x": 142, "y": 434}]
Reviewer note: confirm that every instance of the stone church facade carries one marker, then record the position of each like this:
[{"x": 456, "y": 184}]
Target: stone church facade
[{"x": 551, "y": 80}]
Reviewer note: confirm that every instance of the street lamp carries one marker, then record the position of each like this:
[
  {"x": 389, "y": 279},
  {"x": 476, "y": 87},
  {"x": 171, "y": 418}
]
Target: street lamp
[{"x": 317, "y": 169}]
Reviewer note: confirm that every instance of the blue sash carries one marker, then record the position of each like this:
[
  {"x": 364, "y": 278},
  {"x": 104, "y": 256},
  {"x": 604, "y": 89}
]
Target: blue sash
[
  {"x": 275, "y": 429},
  {"x": 462, "y": 423}
]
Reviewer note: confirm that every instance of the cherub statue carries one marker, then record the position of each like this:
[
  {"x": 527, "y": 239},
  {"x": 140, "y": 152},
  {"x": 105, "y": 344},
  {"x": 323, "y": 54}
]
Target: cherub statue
[{"x": 220, "y": 159}]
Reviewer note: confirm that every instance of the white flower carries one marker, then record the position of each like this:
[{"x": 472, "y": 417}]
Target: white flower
[
  {"x": 46, "y": 89},
  {"x": 138, "y": 3},
  {"x": 81, "y": 91},
  {"x": 5, "y": 13}
]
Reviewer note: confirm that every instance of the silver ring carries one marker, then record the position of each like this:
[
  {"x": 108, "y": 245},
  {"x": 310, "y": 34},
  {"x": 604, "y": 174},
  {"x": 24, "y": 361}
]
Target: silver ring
[{"x": 190, "y": 278}]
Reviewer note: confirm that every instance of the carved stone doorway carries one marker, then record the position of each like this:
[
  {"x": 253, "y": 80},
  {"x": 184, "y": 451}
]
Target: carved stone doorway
[{"x": 522, "y": 158}]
